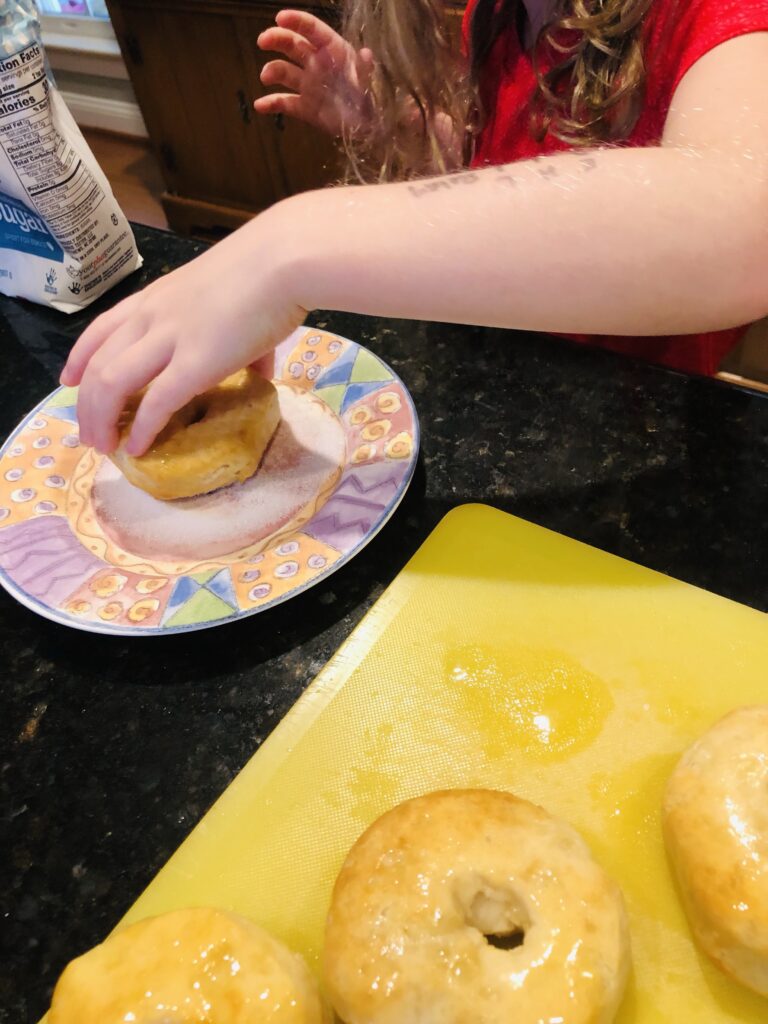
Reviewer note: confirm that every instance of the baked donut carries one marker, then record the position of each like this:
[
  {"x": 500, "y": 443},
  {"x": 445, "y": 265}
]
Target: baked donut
[
  {"x": 198, "y": 965},
  {"x": 474, "y": 905},
  {"x": 716, "y": 830},
  {"x": 217, "y": 438}
]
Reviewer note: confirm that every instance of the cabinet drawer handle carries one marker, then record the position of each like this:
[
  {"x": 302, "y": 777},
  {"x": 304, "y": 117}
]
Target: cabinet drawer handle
[
  {"x": 245, "y": 110},
  {"x": 133, "y": 49},
  {"x": 168, "y": 157}
]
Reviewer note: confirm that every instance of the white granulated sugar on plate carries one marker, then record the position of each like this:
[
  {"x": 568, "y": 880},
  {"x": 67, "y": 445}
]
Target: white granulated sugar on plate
[{"x": 306, "y": 453}]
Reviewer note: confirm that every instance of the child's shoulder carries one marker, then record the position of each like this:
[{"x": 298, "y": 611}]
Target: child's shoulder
[
  {"x": 683, "y": 18},
  {"x": 680, "y": 32}
]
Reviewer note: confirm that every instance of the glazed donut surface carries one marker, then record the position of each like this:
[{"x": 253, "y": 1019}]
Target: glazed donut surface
[
  {"x": 198, "y": 965},
  {"x": 474, "y": 906},
  {"x": 716, "y": 831},
  {"x": 214, "y": 440}
]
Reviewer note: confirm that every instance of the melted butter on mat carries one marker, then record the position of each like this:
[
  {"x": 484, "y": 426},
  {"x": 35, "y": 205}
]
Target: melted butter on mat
[{"x": 541, "y": 702}]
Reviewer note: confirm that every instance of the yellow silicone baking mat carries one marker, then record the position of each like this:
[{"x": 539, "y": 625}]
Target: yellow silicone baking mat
[{"x": 508, "y": 656}]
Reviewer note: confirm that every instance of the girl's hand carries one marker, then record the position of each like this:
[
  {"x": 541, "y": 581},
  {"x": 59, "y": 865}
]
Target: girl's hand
[
  {"x": 329, "y": 77},
  {"x": 183, "y": 334}
]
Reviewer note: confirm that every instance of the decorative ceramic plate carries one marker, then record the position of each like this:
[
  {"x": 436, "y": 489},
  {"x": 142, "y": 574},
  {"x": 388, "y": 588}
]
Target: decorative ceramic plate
[{"x": 82, "y": 546}]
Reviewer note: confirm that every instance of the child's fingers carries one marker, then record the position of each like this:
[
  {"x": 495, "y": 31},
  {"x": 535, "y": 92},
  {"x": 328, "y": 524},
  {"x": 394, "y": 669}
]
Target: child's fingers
[
  {"x": 281, "y": 72},
  {"x": 365, "y": 65},
  {"x": 123, "y": 365},
  {"x": 281, "y": 103},
  {"x": 172, "y": 389},
  {"x": 91, "y": 340},
  {"x": 265, "y": 366},
  {"x": 292, "y": 45},
  {"x": 313, "y": 29},
  {"x": 98, "y": 375}
]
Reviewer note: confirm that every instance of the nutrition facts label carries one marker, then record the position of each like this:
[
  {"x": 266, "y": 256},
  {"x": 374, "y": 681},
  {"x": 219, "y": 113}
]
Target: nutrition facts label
[
  {"x": 60, "y": 186},
  {"x": 54, "y": 197}
]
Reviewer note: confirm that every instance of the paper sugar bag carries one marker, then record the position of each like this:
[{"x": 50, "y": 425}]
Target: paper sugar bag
[{"x": 63, "y": 239}]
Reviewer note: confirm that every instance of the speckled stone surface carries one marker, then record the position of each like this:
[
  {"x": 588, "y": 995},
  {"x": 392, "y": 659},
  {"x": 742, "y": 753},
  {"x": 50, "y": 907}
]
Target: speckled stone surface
[{"x": 113, "y": 749}]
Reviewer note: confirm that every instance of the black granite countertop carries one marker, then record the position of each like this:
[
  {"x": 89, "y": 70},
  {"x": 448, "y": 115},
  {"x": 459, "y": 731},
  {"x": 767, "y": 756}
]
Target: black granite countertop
[{"x": 113, "y": 749}]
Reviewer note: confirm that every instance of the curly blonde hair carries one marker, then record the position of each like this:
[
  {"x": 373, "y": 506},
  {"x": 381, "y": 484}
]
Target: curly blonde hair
[
  {"x": 592, "y": 94},
  {"x": 418, "y": 75}
]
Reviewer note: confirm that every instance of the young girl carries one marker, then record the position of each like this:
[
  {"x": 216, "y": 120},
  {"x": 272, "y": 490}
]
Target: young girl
[{"x": 618, "y": 186}]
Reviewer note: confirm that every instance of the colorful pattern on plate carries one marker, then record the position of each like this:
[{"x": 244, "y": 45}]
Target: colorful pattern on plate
[{"x": 63, "y": 554}]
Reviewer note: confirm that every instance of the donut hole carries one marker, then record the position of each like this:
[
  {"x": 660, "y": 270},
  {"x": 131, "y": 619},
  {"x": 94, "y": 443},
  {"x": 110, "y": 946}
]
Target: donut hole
[
  {"x": 193, "y": 412},
  {"x": 500, "y": 915},
  {"x": 197, "y": 415},
  {"x": 510, "y": 941},
  {"x": 192, "y": 426}
]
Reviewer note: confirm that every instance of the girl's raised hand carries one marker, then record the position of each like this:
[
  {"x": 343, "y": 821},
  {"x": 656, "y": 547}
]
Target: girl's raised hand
[
  {"x": 182, "y": 334},
  {"x": 329, "y": 78}
]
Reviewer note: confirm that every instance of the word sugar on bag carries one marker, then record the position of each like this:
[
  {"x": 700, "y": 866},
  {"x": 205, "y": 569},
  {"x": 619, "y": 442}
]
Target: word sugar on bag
[{"x": 63, "y": 239}]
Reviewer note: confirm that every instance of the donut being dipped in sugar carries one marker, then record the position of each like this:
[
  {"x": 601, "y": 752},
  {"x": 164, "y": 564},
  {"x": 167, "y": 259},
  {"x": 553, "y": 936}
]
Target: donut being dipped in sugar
[
  {"x": 715, "y": 820},
  {"x": 199, "y": 965},
  {"x": 214, "y": 440},
  {"x": 474, "y": 906}
]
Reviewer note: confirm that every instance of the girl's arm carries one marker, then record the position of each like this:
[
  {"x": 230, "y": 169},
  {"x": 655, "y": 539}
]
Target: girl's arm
[
  {"x": 671, "y": 239},
  {"x": 665, "y": 240}
]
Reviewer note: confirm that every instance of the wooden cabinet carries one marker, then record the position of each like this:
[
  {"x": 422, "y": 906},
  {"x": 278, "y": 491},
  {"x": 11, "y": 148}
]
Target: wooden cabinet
[{"x": 195, "y": 68}]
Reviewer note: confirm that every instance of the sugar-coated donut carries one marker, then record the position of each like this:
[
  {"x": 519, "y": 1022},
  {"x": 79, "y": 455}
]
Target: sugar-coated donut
[
  {"x": 198, "y": 965},
  {"x": 217, "y": 438},
  {"x": 716, "y": 830},
  {"x": 474, "y": 906}
]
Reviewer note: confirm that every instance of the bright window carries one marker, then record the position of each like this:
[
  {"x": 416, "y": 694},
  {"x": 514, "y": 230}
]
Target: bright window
[{"x": 75, "y": 8}]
